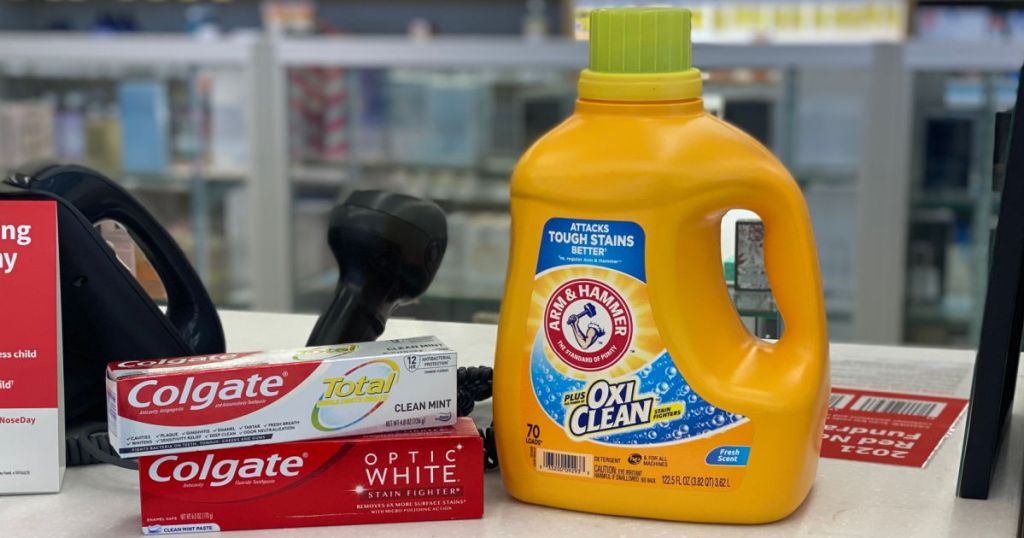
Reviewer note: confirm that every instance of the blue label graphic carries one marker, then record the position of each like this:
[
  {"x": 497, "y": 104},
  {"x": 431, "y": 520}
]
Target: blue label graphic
[
  {"x": 597, "y": 366},
  {"x": 611, "y": 244},
  {"x": 659, "y": 378},
  {"x": 735, "y": 456}
]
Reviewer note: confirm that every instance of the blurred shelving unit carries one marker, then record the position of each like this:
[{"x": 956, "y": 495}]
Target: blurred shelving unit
[
  {"x": 957, "y": 89},
  {"x": 164, "y": 114},
  {"x": 444, "y": 119},
  {"x": 314, "y": 118},
  {"x": 389, "y": 85}
]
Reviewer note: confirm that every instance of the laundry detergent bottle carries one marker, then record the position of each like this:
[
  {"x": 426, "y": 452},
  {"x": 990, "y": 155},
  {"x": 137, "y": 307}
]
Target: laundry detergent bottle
[{"x": 625, "y": 381}]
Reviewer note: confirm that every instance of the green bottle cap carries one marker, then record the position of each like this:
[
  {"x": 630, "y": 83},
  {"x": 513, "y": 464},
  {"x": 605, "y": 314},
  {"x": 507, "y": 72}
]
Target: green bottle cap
[{"x": 640, "y": 40}]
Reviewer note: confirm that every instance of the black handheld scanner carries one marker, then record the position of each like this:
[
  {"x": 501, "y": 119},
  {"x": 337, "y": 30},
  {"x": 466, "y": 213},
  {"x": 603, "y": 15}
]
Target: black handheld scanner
[{"x": 389, "y": 247}]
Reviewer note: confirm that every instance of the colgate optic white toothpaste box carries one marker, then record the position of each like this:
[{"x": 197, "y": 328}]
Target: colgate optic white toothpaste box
[
  {"x": 424, "y": 475},
  {"x": 235, "y": 399}
]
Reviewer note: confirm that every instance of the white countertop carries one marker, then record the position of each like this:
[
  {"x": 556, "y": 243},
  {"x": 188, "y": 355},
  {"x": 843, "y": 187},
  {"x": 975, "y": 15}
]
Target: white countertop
[{"x": 848, "y": 499}]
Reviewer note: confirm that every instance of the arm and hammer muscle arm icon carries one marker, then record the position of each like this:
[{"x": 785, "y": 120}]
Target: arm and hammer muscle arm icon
[{"x": 593, "y": 332}]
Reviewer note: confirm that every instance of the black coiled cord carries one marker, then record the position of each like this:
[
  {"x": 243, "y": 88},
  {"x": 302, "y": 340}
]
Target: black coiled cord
[
  {"x": 476, "y": 384},
  {"x": 87, "y": 443}
]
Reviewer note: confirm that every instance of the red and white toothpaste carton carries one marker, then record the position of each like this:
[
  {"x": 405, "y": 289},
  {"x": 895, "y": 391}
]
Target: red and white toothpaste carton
[
  {"x": 425, "y": 475},
  {"x": 162, "y": 406}
]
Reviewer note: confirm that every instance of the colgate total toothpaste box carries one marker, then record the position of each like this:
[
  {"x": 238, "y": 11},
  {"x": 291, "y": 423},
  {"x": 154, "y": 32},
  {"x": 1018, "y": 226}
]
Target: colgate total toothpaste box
[
  {"x": 426, "y": 475},
  {"x": 199, "y": 403}
]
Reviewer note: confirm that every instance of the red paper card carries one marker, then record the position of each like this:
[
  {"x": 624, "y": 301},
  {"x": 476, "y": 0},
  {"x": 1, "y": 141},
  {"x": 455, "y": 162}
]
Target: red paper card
[
  {"x": 887, "y": 427},
  {"x": 30, "y": 349}
]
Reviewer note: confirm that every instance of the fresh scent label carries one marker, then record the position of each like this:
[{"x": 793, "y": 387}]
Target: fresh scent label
[{"x": 609, "y": 401}]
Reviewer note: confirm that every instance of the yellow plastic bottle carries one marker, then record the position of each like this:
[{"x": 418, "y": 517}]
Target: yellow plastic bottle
[{"x": 625, "y": 382}]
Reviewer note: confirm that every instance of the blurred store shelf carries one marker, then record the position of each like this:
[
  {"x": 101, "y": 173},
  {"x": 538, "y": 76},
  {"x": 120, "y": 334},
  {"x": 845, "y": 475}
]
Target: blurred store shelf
[
  {"x": 960, "y": 56},
  {"x": 122, "y": 49},
  {"x": 961, "y": 201},
  {"x": 180, "y": 178},
  {"x": 499, "y": 52},
  {"x": 151, "y": 49},
  {"x": 939, "y": 314},
  {"x": 403, "y": 52},
  {"x": 503, "y": 52}
]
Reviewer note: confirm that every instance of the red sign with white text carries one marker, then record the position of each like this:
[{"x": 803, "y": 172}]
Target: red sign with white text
[
  {"x": 28, "y": 304},
  {"x": 31, "y": 424},
  {"x": 887, "y": 427}
]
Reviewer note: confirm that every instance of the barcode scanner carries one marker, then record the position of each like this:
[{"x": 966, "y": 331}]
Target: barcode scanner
[{"x": 388, "y": 248}]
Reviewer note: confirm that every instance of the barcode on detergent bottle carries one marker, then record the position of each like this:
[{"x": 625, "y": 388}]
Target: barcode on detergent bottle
[
  {"x": 565, "y": 462},
  {"x": 897, "y": 406}
]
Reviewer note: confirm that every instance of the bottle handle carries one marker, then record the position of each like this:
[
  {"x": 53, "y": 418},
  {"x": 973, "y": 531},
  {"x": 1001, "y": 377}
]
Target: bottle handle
[{"x": 696, "y": 293}]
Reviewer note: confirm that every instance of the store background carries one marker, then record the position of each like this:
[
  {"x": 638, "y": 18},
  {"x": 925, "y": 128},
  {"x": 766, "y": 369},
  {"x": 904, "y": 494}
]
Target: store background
[{"x": 240, "y": 123}]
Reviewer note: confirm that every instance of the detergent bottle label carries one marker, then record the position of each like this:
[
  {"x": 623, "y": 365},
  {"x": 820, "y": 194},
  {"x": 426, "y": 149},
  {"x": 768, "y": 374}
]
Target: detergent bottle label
[{"x": 609, "y": 402}]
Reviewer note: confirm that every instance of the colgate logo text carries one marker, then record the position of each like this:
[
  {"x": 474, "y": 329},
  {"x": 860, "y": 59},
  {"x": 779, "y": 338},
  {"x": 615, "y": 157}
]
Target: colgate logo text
[
  {"x": 224, "y": 472},
  {"x": 179, "y": 361},
  {"x": 202, "y": 395}
]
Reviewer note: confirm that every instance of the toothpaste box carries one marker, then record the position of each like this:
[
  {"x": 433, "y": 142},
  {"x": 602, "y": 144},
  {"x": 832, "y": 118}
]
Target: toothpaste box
[
  {"x": 200, "y": 403},
  {"x": 425, "y": 475},
  {"x": 31, "y": 390}
]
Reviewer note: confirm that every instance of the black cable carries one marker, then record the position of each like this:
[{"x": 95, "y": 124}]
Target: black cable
[
  {"x": 476, "y": 384},
  {"x": 490, "y": 448},
  {"x": 87, "y": 443}
]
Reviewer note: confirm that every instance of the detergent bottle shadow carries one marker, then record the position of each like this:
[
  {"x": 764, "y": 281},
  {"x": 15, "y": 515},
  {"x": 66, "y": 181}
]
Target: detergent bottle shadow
[{"x": 625, "y": 383}]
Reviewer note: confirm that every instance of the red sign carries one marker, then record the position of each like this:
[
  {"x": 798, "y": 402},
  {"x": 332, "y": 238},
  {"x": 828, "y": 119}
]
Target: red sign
[
  {"x": 588, "y": 324},
  {"x": 415, "y": 476},
  {"x": 31, "y": 425},
  {"x": 887, "y": 427},
  {"x": 28, "y": 305}
]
